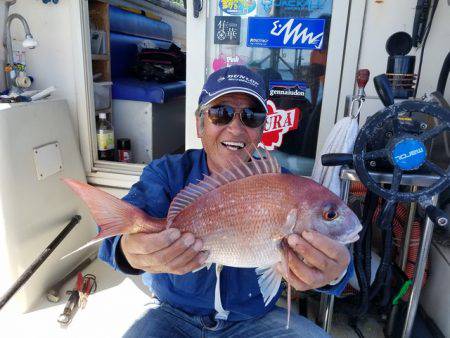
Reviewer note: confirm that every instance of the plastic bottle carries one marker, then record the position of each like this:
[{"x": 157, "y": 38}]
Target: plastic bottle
[
  {"x": 105, "y": 139},
  {"x": 124, "y": 150}
]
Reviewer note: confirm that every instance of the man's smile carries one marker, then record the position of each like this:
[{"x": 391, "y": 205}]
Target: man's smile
[{"x": 232, "y": 145}]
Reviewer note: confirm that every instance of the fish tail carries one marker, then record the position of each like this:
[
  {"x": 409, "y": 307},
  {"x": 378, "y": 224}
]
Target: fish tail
[{"x": 113, "y": 215}]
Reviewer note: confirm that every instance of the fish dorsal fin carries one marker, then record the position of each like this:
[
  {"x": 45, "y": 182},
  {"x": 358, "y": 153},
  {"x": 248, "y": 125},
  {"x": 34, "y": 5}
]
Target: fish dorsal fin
[{"x": 235, "y": 171}]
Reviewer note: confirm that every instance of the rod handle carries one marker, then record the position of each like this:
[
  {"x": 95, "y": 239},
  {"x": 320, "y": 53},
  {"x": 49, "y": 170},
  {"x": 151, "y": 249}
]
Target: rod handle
[
  {"x": 329, "y": 160},
  {"x": 362, "y": 77},
  {"x": 384, "y": 89}
]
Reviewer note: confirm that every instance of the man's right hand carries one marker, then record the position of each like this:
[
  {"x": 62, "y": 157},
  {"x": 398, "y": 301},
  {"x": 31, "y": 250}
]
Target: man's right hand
[{"x": 165, "y": 252}]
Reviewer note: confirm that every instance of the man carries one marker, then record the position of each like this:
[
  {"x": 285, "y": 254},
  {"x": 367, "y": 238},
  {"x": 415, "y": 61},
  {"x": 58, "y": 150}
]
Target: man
[{"x": 230, "y": 119}]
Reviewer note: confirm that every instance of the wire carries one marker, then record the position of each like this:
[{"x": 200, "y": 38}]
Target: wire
[
  {"x": 352, "y": 322},
  {"x": 427, "y": 32}
]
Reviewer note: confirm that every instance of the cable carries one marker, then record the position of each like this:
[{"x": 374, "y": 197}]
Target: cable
[
  {"x": 352, "y": 322},
  {"x": 427, "y": 32}
]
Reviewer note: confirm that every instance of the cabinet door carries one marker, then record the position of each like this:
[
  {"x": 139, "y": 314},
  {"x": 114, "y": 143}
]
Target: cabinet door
[{"x": 296, "y": 45}]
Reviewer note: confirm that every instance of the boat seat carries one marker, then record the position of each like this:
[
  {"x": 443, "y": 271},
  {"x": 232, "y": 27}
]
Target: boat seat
[{"x": 127, "y": 31}]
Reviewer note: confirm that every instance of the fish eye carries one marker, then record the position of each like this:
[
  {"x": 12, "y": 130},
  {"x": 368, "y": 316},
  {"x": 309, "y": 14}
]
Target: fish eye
[{"x": 330, "y": 213}]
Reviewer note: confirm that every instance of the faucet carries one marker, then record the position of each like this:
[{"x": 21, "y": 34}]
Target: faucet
[{"x": 29, "y": 42}]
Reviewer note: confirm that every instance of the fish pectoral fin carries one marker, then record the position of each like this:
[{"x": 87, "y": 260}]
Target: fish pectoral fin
[
  {"x": 291, "y": 220},
  {"x": 269, "y": 281},
  {"x": 207, "y": 265}
]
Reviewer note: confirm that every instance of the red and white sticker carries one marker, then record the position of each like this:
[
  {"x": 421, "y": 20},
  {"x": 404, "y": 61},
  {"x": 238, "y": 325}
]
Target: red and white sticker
[{"x": 278, "y": 123}]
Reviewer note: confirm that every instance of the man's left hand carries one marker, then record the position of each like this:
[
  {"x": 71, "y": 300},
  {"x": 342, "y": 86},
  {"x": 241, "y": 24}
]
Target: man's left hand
[{"x": 314, "y": 260}]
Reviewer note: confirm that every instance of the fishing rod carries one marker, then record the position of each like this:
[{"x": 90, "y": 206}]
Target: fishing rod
[{"x": 38, "y": 261}]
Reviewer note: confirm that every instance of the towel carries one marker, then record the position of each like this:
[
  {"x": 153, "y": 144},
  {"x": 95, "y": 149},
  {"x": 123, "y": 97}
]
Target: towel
[{"x": 341, "y": 140}]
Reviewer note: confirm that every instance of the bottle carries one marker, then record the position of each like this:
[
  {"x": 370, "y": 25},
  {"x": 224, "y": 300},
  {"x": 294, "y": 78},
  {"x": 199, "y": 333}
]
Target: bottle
[
  {"x": 124, "y": 150},
  {"x": 105, "y": 139}
]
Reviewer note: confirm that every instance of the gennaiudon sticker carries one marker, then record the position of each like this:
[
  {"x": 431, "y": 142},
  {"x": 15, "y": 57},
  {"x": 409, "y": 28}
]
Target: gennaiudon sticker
[
  {"x": 238, "y": 7},
  {"x": 287, "y": 88},
  {"x": 278, "y": 123}
]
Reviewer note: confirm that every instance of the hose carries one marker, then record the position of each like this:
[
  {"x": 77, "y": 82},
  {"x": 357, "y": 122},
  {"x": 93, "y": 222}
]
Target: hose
[{"x": 443, "y": 76}]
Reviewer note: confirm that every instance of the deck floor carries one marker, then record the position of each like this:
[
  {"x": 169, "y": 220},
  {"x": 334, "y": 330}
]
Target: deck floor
[{"x": 109, "y": 313}]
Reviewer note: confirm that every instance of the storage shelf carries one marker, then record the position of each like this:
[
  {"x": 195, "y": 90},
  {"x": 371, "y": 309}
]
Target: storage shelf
[
  {"x": 102, "y": 57},
  {"x": 105, "y": 110}
]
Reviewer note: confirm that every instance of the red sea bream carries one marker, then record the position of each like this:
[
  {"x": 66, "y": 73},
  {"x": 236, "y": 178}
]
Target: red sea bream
[{"x": 242, "y": 214}]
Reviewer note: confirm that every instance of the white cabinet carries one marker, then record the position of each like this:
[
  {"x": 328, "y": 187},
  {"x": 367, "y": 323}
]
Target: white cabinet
[{"x": 154, "y": 129}]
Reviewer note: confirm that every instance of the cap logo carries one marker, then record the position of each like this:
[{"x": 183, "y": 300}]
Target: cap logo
[
  {"x": 242, "y": 78},
  {"x": 220, "y": 79}
]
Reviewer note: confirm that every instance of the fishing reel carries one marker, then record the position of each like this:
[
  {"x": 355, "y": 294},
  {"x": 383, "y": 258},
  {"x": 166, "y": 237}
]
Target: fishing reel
[{"x": 391, "y": 140}]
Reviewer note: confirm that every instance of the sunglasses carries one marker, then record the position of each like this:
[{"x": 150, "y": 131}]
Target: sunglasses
[{"x": 222, "y": 115}]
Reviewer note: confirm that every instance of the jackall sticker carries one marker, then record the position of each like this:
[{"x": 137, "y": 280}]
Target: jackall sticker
[
  {"x": 227, "y": 30},
  {"x": 238, "y": 7},
  {"x": 278, "y": 123},
  {"x": 287, "y": 88},
  {"x": 285, "y": 33},
  {"x": 309, "y": 5}
]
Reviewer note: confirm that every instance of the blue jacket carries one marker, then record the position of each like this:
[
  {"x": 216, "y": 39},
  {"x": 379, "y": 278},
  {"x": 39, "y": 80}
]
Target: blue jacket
[{"x": 193, "y": 293}]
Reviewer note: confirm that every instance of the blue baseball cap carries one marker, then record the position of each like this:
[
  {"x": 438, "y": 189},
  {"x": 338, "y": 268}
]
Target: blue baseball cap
[{"x": 234, "y": 79}]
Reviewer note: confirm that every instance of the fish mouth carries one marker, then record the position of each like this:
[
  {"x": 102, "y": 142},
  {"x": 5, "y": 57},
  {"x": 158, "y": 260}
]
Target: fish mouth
[
  {"x": 233, "y": 145},
  {"x": 353, "y": 236}
]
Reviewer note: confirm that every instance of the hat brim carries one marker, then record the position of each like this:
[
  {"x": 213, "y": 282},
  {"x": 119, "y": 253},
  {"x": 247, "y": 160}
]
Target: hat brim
[{"x": 238, "y": 90}]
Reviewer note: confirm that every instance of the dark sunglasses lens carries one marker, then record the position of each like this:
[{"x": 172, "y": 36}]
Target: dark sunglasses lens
[
  {"x": 220, "y": 115},
  {"x": 253, "y": 118}
]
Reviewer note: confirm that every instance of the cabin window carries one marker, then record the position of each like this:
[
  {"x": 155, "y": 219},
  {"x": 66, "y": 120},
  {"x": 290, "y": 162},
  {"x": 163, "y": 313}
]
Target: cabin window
[{"x": 137, "y": 59}]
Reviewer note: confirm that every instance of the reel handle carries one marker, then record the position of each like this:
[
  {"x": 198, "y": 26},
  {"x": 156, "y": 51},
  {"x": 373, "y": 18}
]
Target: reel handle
[
  {"x": 330, "y": 160},
  {"x": 438, "y": 216},
  {"x": 362, "y": 77},
  {"x": 384, "y": 89}
]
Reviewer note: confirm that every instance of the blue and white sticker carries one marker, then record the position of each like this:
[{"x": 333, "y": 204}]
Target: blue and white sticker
[
  {"x": 409, "y": 154},
  {"x": 285, "y": 33}
]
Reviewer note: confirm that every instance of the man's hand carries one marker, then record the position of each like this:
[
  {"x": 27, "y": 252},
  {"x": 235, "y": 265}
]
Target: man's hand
[
  {"x": 314, "y": 260},
  {"x": 164, "y": 252}
]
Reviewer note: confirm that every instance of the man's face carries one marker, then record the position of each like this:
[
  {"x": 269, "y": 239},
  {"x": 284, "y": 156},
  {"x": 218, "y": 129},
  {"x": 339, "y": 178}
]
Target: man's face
[{"x": 224, "y": 143}]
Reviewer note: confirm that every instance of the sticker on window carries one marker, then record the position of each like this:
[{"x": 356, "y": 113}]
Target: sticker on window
[
  {"x": 278, "y": 123},
  {"x": 285, "y": 33},
  {"x": 287, "y": 88},
  {"x": 309, "y": 5},
  {"x": 227, "y": 30},
  {"x": 238, "y": 7},
  {"x": 223, "y": 60}
]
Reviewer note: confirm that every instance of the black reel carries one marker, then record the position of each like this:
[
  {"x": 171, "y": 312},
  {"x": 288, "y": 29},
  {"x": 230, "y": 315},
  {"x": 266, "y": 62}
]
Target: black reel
[{"x": 401, "y": 151}]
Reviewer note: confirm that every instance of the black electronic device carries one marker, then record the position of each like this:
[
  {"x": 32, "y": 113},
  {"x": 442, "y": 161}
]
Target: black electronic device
[{"x": 400, "y": 66}]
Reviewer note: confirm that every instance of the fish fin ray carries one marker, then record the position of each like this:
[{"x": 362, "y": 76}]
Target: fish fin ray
[
  {"x": 269, "y": 281},
  {"x": 113, "y": 215},
  {"x": 237, "y": 170},
  {"x": 291, "y": 220},
  {"x": 207, "y": 266}
]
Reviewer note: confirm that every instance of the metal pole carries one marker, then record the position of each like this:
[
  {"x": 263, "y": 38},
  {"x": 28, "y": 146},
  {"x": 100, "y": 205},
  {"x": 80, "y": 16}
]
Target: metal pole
[
  {"x": 412, "y": 213},
  {"x": 326, "y": 311},
  {"x": 418, "y": 275},
  {"x": 38, "y": 261},
  {"x": 403, "y": 260}
]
